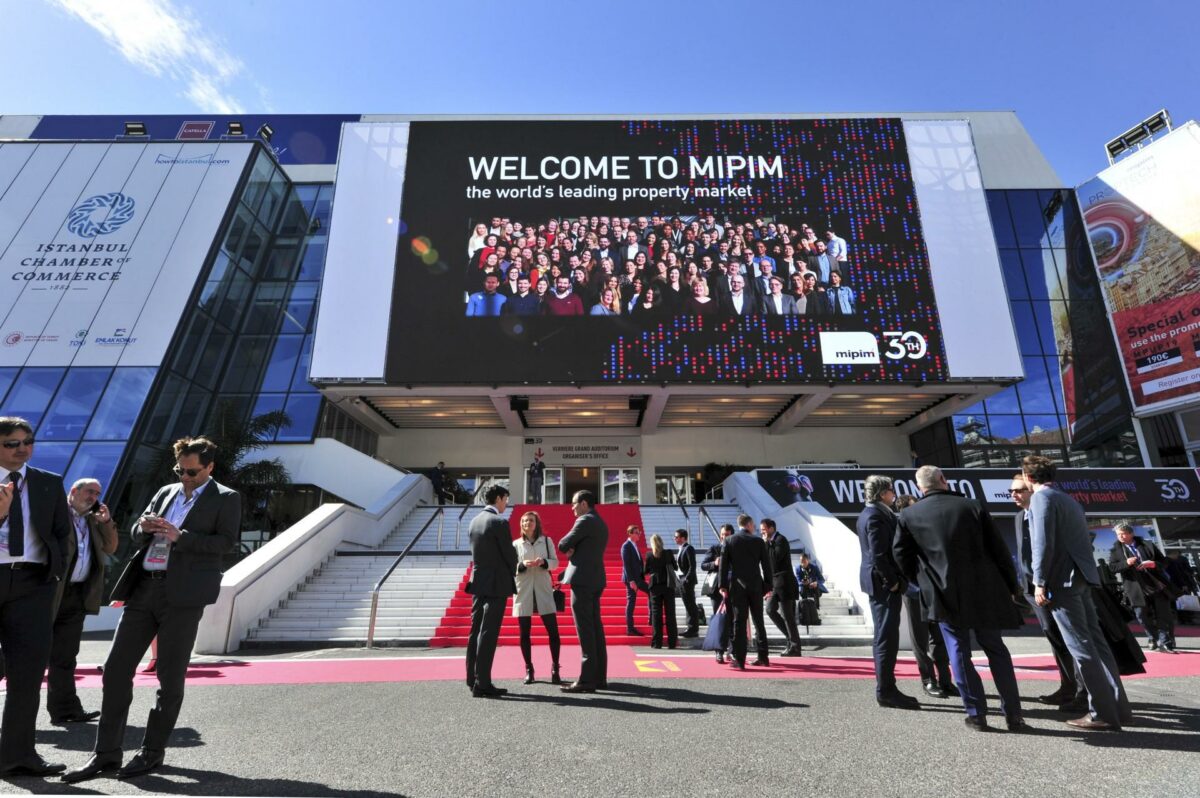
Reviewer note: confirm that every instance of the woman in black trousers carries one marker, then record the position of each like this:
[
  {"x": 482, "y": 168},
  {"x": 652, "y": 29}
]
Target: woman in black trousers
[{"x": 660, "y": 576}]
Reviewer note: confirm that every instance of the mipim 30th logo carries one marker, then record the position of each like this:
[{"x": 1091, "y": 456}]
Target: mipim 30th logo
[{"x": 100, "y": 215}]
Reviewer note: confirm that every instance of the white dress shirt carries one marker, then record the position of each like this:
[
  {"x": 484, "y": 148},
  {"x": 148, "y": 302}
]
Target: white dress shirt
[{"x": 34, "y": 550}]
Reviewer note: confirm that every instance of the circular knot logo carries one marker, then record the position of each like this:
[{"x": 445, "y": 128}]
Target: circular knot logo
[
  {"x": 100, "y": 215},
  {"x": 13, "y": 338}
]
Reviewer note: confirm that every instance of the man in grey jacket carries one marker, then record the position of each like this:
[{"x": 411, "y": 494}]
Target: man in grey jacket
[
  {"x": 493, "y": 580},
  {"x": 586, "y": 545},
  {"x": 1063, "y": 567}
]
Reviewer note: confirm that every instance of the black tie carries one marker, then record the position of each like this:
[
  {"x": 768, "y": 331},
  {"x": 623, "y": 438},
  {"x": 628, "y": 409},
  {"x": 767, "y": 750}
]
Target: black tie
[
  {"x": 1026, "y": 548},
  {"x": 16, "y": 519}
]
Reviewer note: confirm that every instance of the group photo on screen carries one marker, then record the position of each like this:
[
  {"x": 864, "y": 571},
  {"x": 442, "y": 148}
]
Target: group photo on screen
[{"x": 652, "y": 267}]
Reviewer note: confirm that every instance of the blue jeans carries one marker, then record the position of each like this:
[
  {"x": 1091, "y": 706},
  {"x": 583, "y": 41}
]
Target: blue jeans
[
  {"x": 966, "y": 678},
  {"x": 1076, "y": 619}
]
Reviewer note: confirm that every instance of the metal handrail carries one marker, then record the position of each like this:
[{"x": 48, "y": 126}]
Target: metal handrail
[
  {"x": 700, "y": 529},
  {"x": 379, "y": 584},
  {"x": 687, "y": 518}
]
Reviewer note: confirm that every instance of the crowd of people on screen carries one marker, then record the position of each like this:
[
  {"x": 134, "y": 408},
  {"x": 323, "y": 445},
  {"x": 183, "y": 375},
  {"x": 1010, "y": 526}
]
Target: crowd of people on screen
[{"x": 655, "y": 267}]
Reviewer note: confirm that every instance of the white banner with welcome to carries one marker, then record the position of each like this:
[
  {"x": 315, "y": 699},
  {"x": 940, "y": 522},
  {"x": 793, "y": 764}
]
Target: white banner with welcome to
[
  {"x": 594, "y": 451},
  {"x": 101, "y": 245}
]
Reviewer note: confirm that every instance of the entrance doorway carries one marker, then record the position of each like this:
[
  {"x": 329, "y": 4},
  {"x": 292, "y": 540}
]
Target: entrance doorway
[
  {"x": 578, "y": 479},
  {"x": 610, "y": 485}
]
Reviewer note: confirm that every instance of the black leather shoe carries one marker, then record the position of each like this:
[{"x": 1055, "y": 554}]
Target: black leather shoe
[
  {"x": 634, "y": 631},
  {"x": 488, "y": 692},
  {"x": 1076, "y": 704},
  {"x": 1018, "y": 725},
  {"x": 74, "y": 717},
  {"x": 949, "y": 689},
  {"x": 736, "y": 665},
  {"x": 554, "y": 677},
  {"x": 98, "y": 765},
  {"x": 933, "y": 691},
  {"x": 720, "y": 657},
  {"x": 977, "y": 723},
  {"x": 1059, "y": 696},
  {"x": 576, "y": 687},
  {"x": 691, "y": 633},
  {"x": 762, "y": 662},
  {"x": 1169, "y": 648},
  {"x": 142, "y": 763},
  {"x": 35, "y": 766},
  {"x": 897, "y": 700},
  {"x": 529, "y": 675},
  {"x": 791, "y": 651}
]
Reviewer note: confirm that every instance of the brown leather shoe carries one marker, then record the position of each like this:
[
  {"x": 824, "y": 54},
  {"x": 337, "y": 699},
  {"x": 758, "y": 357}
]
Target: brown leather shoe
[{"x": 1090, "y": 724}]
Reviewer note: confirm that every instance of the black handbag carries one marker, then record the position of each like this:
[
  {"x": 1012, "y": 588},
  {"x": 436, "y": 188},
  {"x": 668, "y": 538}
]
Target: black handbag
[
  {"x": 560, "y": 598},
  {"x": 469, "y": 587}
]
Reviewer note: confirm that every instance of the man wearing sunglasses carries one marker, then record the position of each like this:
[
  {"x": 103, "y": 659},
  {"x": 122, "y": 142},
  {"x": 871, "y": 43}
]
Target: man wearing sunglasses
[
  {"x": 174, "y": 573},
  {"x": 34, "y": 528}
]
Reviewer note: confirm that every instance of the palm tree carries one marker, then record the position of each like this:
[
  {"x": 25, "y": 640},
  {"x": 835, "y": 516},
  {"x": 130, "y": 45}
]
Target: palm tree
[{"x": 237, "y": 439}]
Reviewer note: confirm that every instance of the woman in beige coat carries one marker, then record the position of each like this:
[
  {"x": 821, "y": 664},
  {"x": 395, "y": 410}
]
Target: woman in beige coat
[{"x": 536, "y": 558}]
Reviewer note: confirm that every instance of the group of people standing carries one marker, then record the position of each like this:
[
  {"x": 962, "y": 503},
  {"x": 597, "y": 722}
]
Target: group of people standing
[
  {"x": 968, "y": 580},
  {"x": 657, "y": 266}
]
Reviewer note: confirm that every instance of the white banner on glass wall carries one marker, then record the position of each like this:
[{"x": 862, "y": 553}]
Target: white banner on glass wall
[{"x": 101, "y": 245}]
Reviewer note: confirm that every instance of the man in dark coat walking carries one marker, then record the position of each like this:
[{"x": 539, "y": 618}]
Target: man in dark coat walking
[
  {"x": 948, "y": 544},
  {"x": 785, "y": 589}
]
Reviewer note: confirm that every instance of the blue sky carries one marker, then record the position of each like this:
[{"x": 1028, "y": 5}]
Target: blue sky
[{"x": 1077, "y": 73}]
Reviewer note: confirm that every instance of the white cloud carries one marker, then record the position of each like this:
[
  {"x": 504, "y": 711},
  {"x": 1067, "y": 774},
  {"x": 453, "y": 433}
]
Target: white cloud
[{"x": 165, "y": 41}]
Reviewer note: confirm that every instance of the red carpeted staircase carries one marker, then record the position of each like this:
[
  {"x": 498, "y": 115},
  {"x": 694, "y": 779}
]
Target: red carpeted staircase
[{"x": 557, "y": 520}]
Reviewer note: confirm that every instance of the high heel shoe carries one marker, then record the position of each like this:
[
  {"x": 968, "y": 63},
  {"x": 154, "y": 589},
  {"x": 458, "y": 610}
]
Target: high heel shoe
[
  {"x": 528, "y": 674},
  {"x": 554, "y": 677},
  {"x": 151, "y": 666}
]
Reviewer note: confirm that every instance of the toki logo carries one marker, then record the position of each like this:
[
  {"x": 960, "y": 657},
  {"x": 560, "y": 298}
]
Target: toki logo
[
  {"x": 100, "y": 215},
  {"x": 1173, "y": 490}
]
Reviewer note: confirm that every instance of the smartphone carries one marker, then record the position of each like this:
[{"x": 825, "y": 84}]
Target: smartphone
[{"x": 95, "y": 508}]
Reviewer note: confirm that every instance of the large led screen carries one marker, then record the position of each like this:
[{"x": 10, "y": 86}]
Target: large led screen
[{"x": 664, "y": 251}]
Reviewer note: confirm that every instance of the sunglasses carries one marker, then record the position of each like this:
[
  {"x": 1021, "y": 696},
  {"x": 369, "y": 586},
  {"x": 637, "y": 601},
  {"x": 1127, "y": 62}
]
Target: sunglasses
[
  {"x": 16, "y": 444},
  {"x": 191, "y": 472}
]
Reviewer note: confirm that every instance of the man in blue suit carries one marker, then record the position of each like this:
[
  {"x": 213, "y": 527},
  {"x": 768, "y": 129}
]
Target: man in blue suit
[
  {"x": 880, "y": 579},
  {"x": 1063, "y": 568},
  {"x": 632, "y": 576}
]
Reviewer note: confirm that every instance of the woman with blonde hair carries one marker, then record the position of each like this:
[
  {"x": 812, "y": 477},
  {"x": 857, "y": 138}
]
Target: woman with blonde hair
[
  {"x": 536, "y": 558},
  {"x": 660, "y": 578}
]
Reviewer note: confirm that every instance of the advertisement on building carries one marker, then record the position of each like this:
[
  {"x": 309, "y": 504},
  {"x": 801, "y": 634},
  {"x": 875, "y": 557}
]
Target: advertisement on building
[
  {"x": 102, "y": 244},
  {"x": 1102, "y": 491},
  {"x": 1143, "y": 222}
]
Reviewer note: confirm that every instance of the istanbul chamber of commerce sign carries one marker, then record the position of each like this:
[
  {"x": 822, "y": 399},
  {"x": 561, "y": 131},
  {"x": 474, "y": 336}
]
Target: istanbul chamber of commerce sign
[
  {"x": 582, "y": 451},
  {"x": 102, "y": 245}
]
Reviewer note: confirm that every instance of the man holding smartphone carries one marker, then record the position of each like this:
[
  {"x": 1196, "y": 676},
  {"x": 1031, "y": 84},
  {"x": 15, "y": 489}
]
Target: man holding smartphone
[
  {"x": 79, "y": 594},
  {"x": 174, "y": 573}
]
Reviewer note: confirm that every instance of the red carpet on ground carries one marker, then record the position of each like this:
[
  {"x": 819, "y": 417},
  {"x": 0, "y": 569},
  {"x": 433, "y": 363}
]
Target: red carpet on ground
[{"x": 557, "y": 520}]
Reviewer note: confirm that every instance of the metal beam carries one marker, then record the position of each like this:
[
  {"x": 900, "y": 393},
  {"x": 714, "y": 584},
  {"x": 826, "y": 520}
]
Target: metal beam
[
  {"x": 799, "y": 410},
  {"x": 510, "y": 417},
  {"x": 656, "y": 402}
]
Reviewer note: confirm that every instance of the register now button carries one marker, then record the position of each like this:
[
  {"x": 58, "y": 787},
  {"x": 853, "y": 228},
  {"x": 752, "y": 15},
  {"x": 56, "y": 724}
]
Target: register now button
[{"x": 1174, "y": 381}]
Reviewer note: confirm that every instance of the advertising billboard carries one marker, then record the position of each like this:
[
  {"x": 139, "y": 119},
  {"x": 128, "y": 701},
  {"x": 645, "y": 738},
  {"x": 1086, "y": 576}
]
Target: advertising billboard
[
  {"x": 1102, "y": 491},
  {"x": 101, "y": 245},
  {"x": 668, "y": 251},
  {"x": 1143, "y": 223}
]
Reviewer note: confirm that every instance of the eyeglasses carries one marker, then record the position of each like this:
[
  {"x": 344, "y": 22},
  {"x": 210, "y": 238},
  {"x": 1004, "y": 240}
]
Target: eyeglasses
[
  {"x": 191, "y": 472},
  {"x": 1018, "y": 490},
  {"x": 16, "y": 444}
]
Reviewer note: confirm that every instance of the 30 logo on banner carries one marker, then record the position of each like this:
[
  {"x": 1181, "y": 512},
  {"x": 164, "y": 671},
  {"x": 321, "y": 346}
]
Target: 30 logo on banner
[{"x": 100, "y": 215}]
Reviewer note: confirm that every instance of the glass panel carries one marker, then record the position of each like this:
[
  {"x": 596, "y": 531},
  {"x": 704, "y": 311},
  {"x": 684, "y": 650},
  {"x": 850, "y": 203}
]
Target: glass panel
[
  {"x": 95, "y": 461},
  {"x": 246, "y": 364},
  {"x": 219, "y": 267},
  {"x": 233, "y": 304},
  {"x": 268, "y": 403},
  {"x": 1026, "y": 326},
  {"x": 298, "y": 315},
  {"x": 260, "y": 178},
  {"x": 971, "y": 429},
  {"x": 6, "y": 379},
  {"x": 238, "y": 228},
  {"x": 552, "y": 487},
  {"x": 1035, "y": 391},
  {"x": 313, "y": 263},
  {"x": 323, "y": 210},
  {"x": 1001, "y": 221},
  {"x": 192, "y": 410},
  {"x": 68, "y": 416},
  {"x": 263, "y": 316},
  {"x": 1027, "y": 218},
  {"x": 273, "y": 199},
  {"x": 1044, "y": 314},
  {"x": 282, "y": 363},
  {"x": 53, "y": 457},
  {"x": 1044, "y": 429},
  {"x": 189, "y": 346},
  {"x": 303, "y": 411},
  {"x": 281, "y": 261},
  {"x": 295, "y": 217},
  {"x": 254, "y": 249},
  {"x": 1014, "y": 275},
  {"x": 307, "y": 195},
  {"x": 163, "y": 409},
  {"x": 31, "y": 393},
  {"x": 1007, "y": 429},
  {"x": 610, "y": 486},
  {"x": 300, "y": 381},
  {"x": 629, "y": 486},
  {"x": 1040, "y": 274},
  {"x": 212, "y": 357},
  {"x": 1004, "y": 401}
]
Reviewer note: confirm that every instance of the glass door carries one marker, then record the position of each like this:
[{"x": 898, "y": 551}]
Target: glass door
[
  {"x": 619, "y": 485},
  {"x": 673, "y": 489},
  {"x": 552, "y": 488}
]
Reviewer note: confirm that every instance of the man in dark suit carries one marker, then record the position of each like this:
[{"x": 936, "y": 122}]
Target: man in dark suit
[
  {"x": 585, "y": 545},
  {"x": 686, "y": 560},
  {"x": 948, "y": 544},
  {"x": 785, "y": 589},
  {"x": 493, "y": 580},
  {"x": 737, "y": 301},
  {"x": 879, "y": 577},
  {"x": 1070, "y": 695},
  {"x": 632, "y": 576},
  {"x": 34, "y": 531},
  {"x": 745, "y": 574},
  {"x": 1063, "y": 569},
  {"x": 1142, "y": 568},
  {"x": 778, "y": 303},
  {"x": 537, "y": 477},
  {"x": 711, "y": 564},
  {"x": 174, "y": 573},
  {"x": 78, "y": 595}
]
